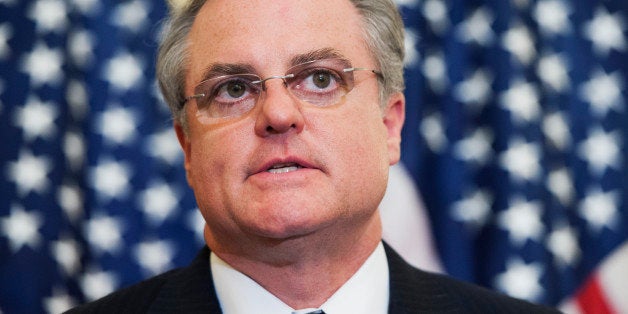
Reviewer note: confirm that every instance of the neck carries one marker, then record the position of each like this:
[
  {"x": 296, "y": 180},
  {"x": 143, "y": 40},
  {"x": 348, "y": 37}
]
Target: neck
[{"x": 305, "y": 271}]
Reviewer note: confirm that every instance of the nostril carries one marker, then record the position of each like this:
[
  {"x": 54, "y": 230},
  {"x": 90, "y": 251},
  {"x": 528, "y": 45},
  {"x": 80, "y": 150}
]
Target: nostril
[{"x": 270, "y": 129}]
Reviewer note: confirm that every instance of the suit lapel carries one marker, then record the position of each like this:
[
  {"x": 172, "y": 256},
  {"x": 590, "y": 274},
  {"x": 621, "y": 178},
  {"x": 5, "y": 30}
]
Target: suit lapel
[{"x": 189, "y": 291}]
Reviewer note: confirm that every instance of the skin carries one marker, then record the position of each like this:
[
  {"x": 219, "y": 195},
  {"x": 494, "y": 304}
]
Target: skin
[{"x": 299, "y": 234}]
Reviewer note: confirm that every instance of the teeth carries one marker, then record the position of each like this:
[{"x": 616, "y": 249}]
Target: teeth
[{"x": 283, "y": 168}]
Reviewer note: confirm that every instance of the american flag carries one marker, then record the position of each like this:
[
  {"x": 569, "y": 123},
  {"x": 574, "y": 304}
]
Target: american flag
[{"x": 515, "y": 137}]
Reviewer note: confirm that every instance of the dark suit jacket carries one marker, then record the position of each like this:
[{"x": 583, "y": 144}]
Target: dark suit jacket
[{"x": 190, "y": 290}]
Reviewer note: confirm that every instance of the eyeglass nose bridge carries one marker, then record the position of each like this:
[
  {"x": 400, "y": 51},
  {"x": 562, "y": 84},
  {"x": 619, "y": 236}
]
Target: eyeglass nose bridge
[{"x": 281, "y": 77}]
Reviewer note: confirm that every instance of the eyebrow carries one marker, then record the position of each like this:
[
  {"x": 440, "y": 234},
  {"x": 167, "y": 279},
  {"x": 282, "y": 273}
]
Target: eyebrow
[
  {"x": 220, "y": 69},
  {"x": 319, "y": 54}
]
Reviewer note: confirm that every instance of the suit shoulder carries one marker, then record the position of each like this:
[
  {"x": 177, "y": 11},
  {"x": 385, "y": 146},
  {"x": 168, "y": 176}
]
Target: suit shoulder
[
  {"x": 136, "y": 298},
  {"x": 416, "y": 291},
  {"x": 478, "y": 299}
]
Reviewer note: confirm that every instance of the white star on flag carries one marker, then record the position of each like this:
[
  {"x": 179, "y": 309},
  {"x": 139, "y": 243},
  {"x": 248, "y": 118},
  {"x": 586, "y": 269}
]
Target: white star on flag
[
  {"x": 477, "y": 28},
  {"x": 475, "y": 90},
  {"x": 59, "y": 301},
  {"x": 556, "y": 129},
  {"x": 49, "y": 15},
  {"x": 30, "y": 173},
  {"x": 476, "y": 147},
  {"x": 22, "y": 228},
  {"x": 96, "y": 283},
  {"x": 522, "y": 100},
  {"x": 474, "y": 210},
  {"x": 599, "y": 209},
  {"x": 123, "y": 72},
  {"x": 131, "y": 15},
  {"x": 519, "y": 42},
  {"x": 43, "y": 65},
  {"x": 552, "y": 70},
  {"x": 521, "y": 280},
  {"x": 604, "y": 92},
  {"x": 559, "y": 183},
  {"x": 87, "y": 7},
  {"x": 37, "y": 119},
  {"x": 601, "y": 151},
  {"x": 111, "y": 179},
  {"x": 159, "y": 201},
  {"x": 522, "y": 220},
  {"x": 563, "y": 243},
  {"x": 105, "y": 234},
  {"x": 117, "y": 125},
  {"x": 154, "y": 256},
  {"x": 606, "y": 31},
  {"x": 68, "y": 253},
  {"x": 521, "y": 160},
  {"x": 81, "y": 45},
  {"x": 435, "y": 11},
  {"x": 553, "y": 16}
]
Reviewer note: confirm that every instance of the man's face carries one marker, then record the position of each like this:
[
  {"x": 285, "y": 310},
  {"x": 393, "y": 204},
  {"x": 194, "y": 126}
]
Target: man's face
[{"x": 336, "y": 157}]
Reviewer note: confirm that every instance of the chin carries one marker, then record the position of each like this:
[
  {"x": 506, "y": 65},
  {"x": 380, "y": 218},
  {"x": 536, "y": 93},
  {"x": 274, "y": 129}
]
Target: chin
[{"x": 286, "y": 227}]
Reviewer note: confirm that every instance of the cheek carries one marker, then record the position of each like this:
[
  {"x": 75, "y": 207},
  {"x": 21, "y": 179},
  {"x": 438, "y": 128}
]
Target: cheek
[
  {"x": 369, "y": 132},
  {"x": 211, "y": 158},
  {"x": 361, "y": 164},
  {"x": 370, "y": 152},
  {"x": 204, "y": 165},
  {"x": 359, "y": 146},
  {"x": 216, "y": 164}
]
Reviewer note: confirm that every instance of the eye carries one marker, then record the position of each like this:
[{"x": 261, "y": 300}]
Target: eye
[
  {"x": 227, "y": 96},
  {"x": 322, "y": 79},
  {"x": 231, "y": 90},
  {"x": 319, "y": 80}
]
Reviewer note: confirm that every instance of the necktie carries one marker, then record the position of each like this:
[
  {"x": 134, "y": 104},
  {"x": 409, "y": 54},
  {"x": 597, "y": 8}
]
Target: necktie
[{"x": 309, "y": 311}]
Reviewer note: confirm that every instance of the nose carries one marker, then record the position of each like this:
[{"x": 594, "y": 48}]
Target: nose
[{"x": 279, "y": 110}]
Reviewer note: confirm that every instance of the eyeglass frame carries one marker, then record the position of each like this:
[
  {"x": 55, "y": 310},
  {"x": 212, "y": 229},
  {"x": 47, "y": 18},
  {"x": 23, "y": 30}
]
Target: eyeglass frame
[{"x": 261, "y": 81}]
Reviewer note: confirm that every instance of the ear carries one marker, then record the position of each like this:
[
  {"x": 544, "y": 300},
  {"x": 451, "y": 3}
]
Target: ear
[
  {"x": 186, "y": 146},
  {"x": 394, "y": 116}
]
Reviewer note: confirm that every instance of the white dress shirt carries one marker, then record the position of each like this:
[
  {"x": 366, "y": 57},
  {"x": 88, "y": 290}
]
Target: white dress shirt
[{"x": 365, "y": 292}]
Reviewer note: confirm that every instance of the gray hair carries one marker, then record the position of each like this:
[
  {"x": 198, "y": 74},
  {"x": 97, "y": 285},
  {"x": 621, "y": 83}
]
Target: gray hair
[{"x": 383, "y": 31}]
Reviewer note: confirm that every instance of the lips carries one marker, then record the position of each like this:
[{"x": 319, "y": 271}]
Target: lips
[{"x": 282, "y": 165}]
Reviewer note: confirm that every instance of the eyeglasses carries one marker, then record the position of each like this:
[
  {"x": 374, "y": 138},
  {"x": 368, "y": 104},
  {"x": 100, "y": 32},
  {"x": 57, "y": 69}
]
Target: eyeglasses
[{"x": 320, "y": 83}]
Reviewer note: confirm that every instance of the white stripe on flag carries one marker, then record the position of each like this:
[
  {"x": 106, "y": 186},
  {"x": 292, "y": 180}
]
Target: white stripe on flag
[
  {"x": 605, "y": 290},
  {"x": 406, "y": 225},
  {"x": 614, "y": 279}
]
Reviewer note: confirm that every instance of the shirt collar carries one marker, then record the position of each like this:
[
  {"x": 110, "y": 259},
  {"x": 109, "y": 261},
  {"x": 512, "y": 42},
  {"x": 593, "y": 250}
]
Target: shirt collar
[{"x": 365, "y": 292}]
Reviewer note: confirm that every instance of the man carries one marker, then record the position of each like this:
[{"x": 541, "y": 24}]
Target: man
[{"x": 289, "y": 114}]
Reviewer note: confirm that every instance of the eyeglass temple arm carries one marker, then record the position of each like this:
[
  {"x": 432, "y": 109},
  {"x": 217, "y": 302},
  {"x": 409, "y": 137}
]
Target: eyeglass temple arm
[{"x": 378, "y": 73}]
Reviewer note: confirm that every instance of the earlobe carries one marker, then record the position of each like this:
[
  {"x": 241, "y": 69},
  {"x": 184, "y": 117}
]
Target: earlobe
[
  {"x": 186, "y": 146},
  {"x": 394, "y": 117}
]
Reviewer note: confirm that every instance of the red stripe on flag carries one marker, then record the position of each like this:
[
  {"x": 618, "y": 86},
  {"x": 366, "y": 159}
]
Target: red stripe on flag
[{"x": 591, "y": 298}]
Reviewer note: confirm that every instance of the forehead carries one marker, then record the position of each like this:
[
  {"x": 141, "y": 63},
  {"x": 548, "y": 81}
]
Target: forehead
[{"x": 272, "y": 32}]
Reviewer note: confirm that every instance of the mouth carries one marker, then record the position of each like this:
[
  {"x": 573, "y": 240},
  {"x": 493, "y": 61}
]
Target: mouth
[
  {"x": 281, "y": 165},
  {"x": 284, "y": 167}
]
